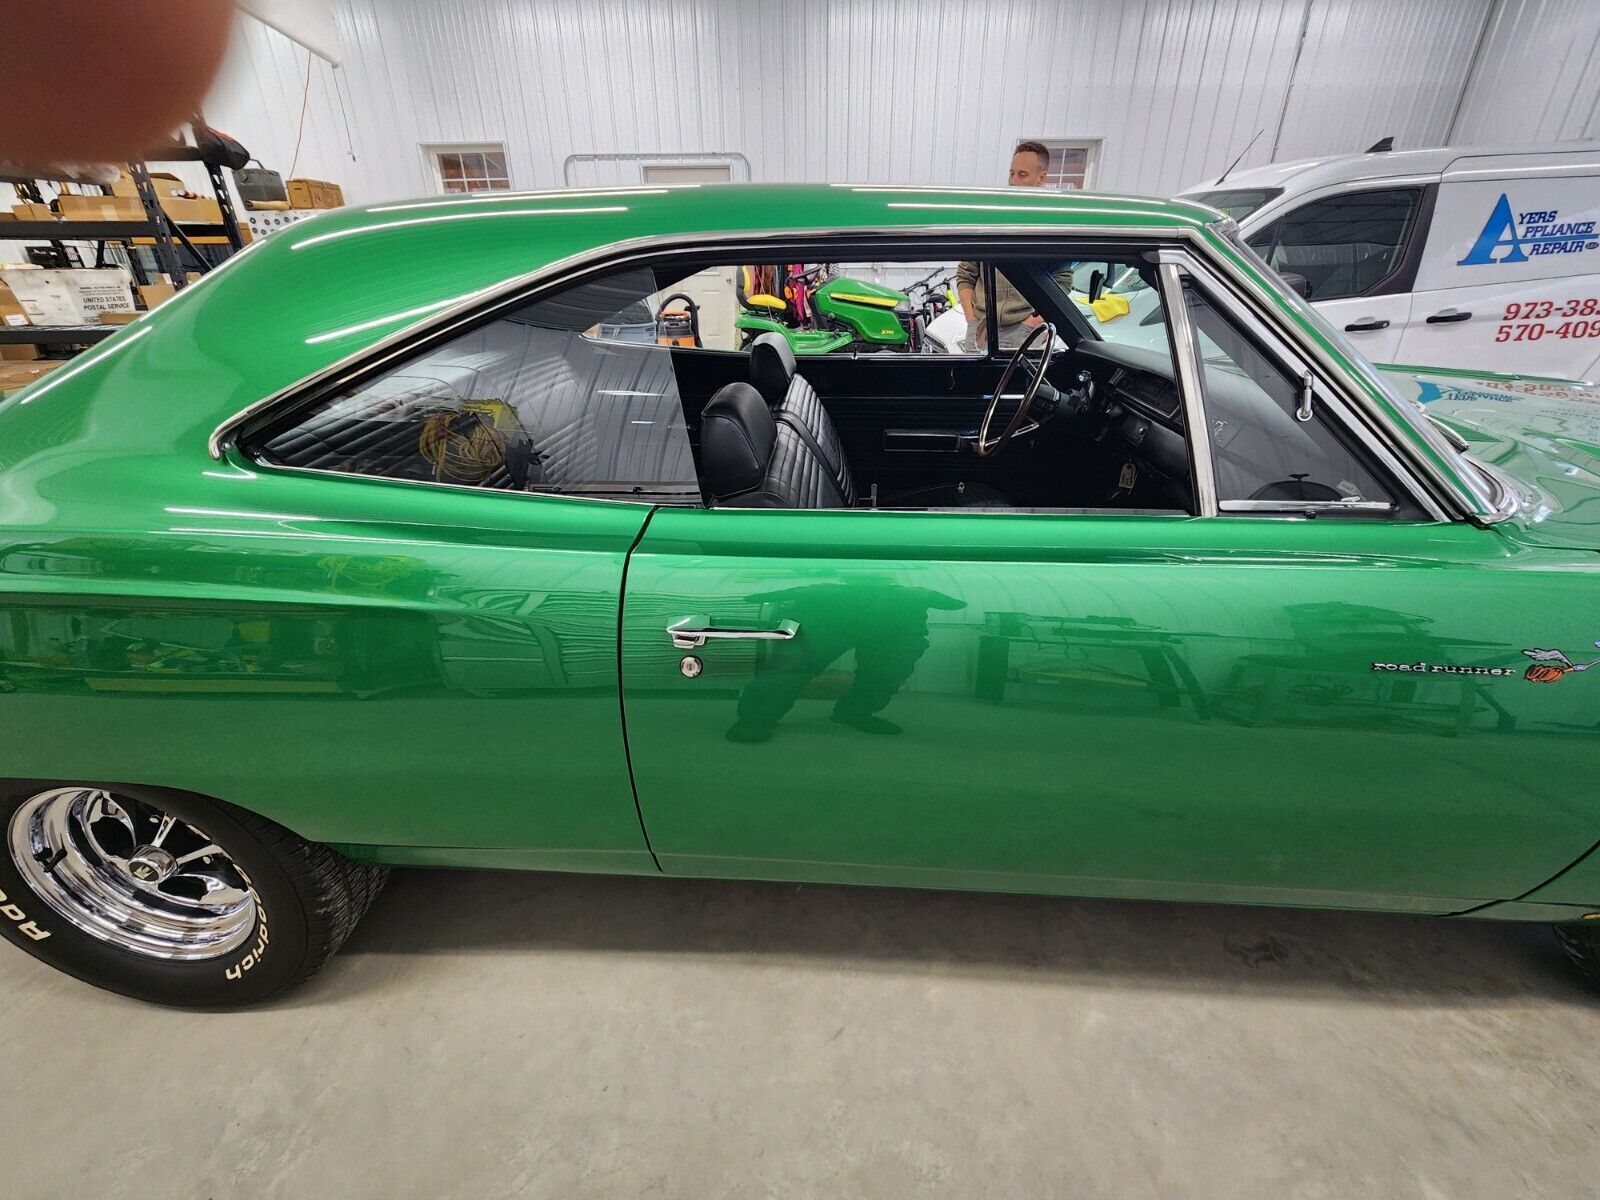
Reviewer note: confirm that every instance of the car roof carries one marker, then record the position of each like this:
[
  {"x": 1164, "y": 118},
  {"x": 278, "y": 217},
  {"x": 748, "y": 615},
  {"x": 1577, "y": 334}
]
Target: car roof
[
  {"x": 133, "y": 418},
  {"x": 1306, "y": 173},
  {"x": 316, "y": 292}
]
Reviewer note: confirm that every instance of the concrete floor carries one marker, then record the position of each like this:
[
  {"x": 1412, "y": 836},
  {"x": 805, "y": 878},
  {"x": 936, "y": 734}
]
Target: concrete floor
[{"x": 493, "y": 1035}]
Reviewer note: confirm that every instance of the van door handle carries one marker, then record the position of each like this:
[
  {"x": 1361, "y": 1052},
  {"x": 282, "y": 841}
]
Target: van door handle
[
  {"x": 1448, "y": 316},
  {"x": 1366, "y": 325},
  {"x": 690, "y": 633}
]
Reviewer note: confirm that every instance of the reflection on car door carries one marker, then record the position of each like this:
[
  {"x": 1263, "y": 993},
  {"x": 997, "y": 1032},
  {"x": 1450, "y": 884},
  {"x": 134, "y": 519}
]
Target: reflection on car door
[{"x": 1225, "y": 708}]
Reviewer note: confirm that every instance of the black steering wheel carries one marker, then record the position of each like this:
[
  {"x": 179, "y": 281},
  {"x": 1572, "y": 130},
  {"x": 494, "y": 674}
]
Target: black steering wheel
[{"x": 987, "y": 448}]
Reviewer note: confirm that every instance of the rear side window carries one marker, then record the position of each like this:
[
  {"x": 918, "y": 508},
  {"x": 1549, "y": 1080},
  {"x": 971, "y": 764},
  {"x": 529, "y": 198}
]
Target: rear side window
[
  {"x": 1344, "y": 245},
  {"x": 554, "y": 397}
]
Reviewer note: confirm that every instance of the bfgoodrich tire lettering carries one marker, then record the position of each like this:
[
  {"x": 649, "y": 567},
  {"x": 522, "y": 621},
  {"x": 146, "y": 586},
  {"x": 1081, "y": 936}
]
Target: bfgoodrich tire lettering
[{"x": 306, "y": 899}]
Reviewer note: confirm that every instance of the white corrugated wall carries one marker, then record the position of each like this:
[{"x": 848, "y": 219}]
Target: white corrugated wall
[
  {"x": 932, "y": 91},
  {"x": 1538, "y": 74}
]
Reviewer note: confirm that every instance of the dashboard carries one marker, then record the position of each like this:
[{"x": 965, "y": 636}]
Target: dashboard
[{"x": 1132, "y": 397}]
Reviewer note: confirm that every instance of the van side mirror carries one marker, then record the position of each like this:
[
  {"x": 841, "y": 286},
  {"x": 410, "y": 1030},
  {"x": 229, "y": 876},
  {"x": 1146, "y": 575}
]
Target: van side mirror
[{"x": 1298, "y": 284}]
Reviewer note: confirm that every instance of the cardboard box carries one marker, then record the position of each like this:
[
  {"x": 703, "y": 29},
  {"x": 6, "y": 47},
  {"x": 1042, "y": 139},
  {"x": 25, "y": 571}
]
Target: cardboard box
[
  {"x": 153, "y": 294},
  {"x": 14, "y": 376},
  {"x": 13, "y": 314},
  {"x": 164, "y": 182},
  {"x": 200, "y": 210},
  {"x": 119, "y": 318},
  {"x": 314, "y": 193},
  {"x": 32, "y": 212},
  {"x": 100, "y": 208},
  {"x": 69, "y": 295}
]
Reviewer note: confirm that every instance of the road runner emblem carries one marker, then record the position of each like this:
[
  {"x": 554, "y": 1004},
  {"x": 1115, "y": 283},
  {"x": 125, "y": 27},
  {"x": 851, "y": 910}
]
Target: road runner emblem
[{"x": 1550, "y": 665}]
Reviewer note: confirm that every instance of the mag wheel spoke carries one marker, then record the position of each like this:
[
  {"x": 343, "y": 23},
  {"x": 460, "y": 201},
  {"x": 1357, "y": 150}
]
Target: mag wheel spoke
[{"x": 132, "y": 875}]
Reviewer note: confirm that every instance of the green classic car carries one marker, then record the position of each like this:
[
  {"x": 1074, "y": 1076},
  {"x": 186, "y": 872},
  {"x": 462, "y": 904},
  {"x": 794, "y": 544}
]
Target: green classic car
[{"x": 401, "y": 539}]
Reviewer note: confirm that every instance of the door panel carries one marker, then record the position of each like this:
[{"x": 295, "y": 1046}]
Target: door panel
[
  {"x": 1518, "y": 253},
  {"x": 1374, "y": 324},
  {"x": 1539, "y": 327},
  {"x": 867, "y": 395},
  {"x": 1142, "y": 706}
]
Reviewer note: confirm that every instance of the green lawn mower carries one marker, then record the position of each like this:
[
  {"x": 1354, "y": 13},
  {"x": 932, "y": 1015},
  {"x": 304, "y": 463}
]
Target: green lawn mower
[{"x": 821, "y": 313}]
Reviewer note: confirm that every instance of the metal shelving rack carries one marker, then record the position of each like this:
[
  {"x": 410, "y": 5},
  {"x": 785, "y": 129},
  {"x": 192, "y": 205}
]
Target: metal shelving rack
[{"x": 157, "y": 226}]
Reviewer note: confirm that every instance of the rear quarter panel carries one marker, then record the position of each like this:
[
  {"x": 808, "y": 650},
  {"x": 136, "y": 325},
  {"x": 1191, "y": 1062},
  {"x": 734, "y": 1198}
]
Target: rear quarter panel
[{"x": 362, "y": 661}]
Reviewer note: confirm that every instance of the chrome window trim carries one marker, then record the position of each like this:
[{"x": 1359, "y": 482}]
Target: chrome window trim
[
  {"x": 250, "y": 464},
  {"x": 1370, "y": 427},
  {"x": 1186, "y": 354},
  {"x": 1304, "y": 508},
  {"x": 656, "y": 502},
  {"x": 1374, "y": 428},
  {"x": 1507, "y": 500},
  {"x": 1285, "y": 353}
]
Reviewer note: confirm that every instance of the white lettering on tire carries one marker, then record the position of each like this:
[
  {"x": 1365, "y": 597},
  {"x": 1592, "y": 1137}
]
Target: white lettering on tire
[
  {"x": 239, "y": 968},
  {"x": 14, "y": 914}
]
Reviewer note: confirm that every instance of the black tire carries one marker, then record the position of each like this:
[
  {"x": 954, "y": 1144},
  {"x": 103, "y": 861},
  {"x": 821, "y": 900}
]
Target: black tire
[
  {"x": 308, "y": 899},
  {"x": 1582, "y": 944}
]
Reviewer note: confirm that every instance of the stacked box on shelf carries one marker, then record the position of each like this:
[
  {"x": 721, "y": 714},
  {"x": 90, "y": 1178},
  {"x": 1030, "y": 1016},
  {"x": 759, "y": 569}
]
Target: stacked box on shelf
[{"x": 314, "y": 193}]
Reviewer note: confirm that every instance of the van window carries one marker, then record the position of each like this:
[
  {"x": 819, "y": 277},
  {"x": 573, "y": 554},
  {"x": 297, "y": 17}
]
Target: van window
[{"x": 1344, "y": 245}]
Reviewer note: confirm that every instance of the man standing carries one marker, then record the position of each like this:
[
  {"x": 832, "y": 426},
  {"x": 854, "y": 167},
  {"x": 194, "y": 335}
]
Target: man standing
[{"x": 1014, "y": 314}]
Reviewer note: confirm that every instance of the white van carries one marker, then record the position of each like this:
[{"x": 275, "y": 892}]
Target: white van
[{"x": 1482, "y": 259}]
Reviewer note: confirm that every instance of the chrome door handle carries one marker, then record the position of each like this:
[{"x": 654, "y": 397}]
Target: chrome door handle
[{"x": 690, "y": 633}]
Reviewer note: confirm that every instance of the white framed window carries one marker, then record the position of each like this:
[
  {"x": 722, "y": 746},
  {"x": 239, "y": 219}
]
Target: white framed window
[
  {"x": 1072, "y": 161},
  {"x": 469, "y": 167}
]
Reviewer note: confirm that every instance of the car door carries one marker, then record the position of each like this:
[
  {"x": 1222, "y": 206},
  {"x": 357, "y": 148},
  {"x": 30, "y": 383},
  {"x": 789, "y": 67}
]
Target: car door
[
  {"x": 1244, "y": 706},
  {"x": 1510, "y": 278},
  {"x": 1356, "y": 249}
]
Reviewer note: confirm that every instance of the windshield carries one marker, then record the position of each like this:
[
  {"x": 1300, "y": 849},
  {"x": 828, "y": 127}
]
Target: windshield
[{"x": 1238, "y": 203}]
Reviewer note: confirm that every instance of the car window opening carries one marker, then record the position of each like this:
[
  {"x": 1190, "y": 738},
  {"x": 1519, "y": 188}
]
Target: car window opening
[{"x": 866, "y": 385}]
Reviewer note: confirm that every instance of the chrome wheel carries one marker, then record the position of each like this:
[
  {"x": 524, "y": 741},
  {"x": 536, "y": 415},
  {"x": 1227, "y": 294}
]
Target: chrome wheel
[{"x": 132, "y": 875}]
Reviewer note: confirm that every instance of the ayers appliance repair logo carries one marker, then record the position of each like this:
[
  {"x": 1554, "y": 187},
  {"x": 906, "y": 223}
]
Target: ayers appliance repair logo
[{"x": 1510, "y": 237}]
